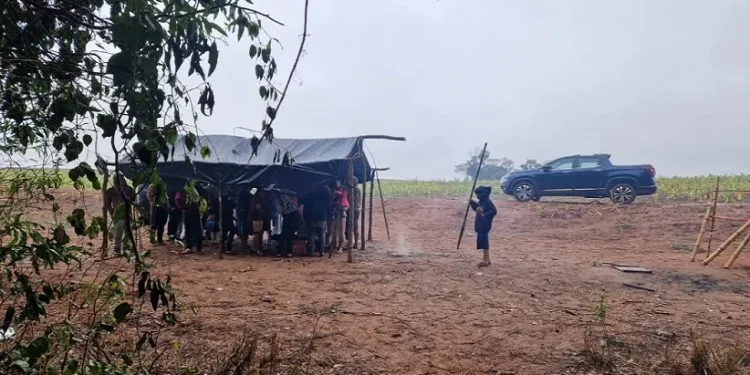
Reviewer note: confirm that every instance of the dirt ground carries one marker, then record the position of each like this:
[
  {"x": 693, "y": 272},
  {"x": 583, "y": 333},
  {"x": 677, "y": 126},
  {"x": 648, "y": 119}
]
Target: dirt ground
[{"x": 416, "y": 305}]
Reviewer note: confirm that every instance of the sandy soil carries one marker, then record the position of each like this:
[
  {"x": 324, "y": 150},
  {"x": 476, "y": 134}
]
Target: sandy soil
[{"x": 416, "y": 305}]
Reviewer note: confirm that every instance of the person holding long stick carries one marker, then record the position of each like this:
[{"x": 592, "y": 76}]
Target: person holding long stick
[{"x": 486, "y": 212}]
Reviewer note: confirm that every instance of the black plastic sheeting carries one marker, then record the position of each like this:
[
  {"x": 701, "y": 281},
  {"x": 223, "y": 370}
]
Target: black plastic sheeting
[{"x": 232, "y": 166}]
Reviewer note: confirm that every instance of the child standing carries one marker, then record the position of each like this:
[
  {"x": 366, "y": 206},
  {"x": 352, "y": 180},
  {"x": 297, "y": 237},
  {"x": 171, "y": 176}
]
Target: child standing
[{"x": 486, "y": 212}]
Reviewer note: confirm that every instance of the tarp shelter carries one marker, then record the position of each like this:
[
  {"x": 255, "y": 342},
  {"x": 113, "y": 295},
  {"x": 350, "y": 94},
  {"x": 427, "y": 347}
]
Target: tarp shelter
[{"x": 231, "y": 164}]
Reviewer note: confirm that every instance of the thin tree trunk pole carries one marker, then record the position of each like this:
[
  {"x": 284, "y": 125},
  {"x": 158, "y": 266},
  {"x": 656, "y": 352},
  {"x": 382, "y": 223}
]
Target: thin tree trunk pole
[
  {"x": 350, "y": 217},
  {"x": 471, "y": 194},
  {"x": 221, "y": 224},
  {"x": 363, "y": 192},
  {"x": 372, "y": 189},
  {"x": 105, "y": 215},
  {"x": 382, "y": 203}
]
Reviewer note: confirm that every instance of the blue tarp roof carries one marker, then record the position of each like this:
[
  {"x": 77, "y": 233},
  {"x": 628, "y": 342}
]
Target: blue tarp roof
[{"x": 232, "y": 165}]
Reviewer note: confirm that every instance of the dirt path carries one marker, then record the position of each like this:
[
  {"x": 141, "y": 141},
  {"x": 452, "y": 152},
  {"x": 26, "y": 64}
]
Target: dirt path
[{"x": 415, "y": 305}]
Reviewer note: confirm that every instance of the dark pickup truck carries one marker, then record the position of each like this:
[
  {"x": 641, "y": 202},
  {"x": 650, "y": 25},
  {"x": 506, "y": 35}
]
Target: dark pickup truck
[{"x": 590, "y": 176}]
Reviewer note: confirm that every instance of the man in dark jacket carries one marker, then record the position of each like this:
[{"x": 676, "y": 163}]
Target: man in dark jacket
[
  {"x": 486, "y": 212},
  {"x": 316, "y": 206}
]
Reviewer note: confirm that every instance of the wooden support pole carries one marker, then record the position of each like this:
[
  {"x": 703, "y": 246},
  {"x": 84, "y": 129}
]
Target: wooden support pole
[
  {"x": 727, "y": 243},
  {"x": 362, "y": 204},
  {"x": 350, "y": 217},
  {"x": 372, "y": 189},
  {"x": 704, "y": 224},
  {"x": 737, "y": 252},
  {"x": 382, "y": 203},
  {"x": 471, "y": 194},
  {"x": 221, "y": 224},
  {"x": 713, "y": 217},
  {"x": 105, "y": 214}
]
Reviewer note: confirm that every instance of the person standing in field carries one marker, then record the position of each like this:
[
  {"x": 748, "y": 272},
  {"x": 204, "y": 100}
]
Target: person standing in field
[
  {"x": 341, "y": 202},
  {"x": 316, "y": 207},
  {"x": 157, "y": 196},
  {"x": 192, "y": 218},
  {"x": 175, "y": 219},
  {"x": 260, "y": 216},
  {"x": 243, "y": 217},
  {"x": 116, "y": 197},
  {"x": 355, "y": 212},
  {"x": 290, "y": 222},
  {"x": 486, "y": 212}
]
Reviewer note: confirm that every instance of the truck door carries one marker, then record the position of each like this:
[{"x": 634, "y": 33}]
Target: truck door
[
  {"x": 556, "y": 178},
  {"x": 588, "y": 174}
]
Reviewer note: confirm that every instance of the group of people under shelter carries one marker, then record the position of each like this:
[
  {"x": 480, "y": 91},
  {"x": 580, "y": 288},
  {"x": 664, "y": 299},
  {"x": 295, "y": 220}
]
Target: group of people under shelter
[{"x": 319, "y": 216}]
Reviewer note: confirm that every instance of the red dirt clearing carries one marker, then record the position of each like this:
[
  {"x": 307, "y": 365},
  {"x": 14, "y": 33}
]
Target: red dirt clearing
[{"x": 415, "y": 305}]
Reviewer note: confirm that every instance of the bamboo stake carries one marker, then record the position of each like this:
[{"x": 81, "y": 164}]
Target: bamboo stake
[
  {"x": 221, "y": 224},
  {"x": 362, "y": 205},
  {"x": 737, "y": 252},
  {"x": 713, "y": 217},
  {"x": 369, "y": 224},
  {"x": 105, "y": 214},
  {"x": 471, "y": 194},
  {"x": 697, "y": 246},
  {"x": 350, "y": 217},
  {"x": 727, "y": 243},
  {"x": 382, "y": 203}
]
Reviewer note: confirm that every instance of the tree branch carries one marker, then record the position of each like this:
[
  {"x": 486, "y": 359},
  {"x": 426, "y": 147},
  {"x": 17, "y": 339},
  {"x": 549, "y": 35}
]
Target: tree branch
[{"x": 296, "y": 62}]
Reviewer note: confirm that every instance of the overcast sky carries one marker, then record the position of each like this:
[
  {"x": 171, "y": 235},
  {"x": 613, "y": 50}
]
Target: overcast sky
[{"x": 665, "y": 82}]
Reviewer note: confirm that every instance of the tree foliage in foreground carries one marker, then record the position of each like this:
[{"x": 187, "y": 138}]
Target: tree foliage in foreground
[{"x": 78, "y": 73}]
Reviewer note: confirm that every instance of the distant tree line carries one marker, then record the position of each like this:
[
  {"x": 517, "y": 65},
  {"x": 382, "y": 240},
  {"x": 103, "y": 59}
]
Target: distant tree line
[{"x": 492, "y": 168}]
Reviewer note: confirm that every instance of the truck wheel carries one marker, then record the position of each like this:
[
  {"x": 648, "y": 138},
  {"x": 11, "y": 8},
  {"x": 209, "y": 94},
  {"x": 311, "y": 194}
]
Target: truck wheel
[
  {"x": 524, "y": 191},
  {"x": 622, "y": 194}
]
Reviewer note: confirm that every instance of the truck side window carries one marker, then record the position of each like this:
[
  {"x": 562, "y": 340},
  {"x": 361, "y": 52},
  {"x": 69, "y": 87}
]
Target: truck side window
[
  {"x": 589, "y": 162},
  {"x": 562, "y": 164}
]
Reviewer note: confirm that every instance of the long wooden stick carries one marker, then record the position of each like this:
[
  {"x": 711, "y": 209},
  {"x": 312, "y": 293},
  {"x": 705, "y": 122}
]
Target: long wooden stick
[
  {"x": 713, "y": 217},
  {"x": 727, "y": 243},
  {"x": 363, "y": 205},
  {"x": 471, "y": 194},
  {"x": 737, "y": 252},
  {"x": 369, "y": 224},
  {"x": 382, "y": 203},
  {"x": 350, "y": 217},
  {"x": 697, "y": 246}
]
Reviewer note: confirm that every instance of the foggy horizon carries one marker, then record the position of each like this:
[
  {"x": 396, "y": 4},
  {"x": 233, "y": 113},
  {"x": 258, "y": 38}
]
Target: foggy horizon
[{"x": 665, "y": 83}]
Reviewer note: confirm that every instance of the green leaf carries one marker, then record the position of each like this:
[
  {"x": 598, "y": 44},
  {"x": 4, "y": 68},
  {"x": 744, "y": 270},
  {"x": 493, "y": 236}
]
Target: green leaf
[
  {"x": 21, "y": 365},
  {"x": 87, "y": 139},
  {"x": 263, "y": 91},
  {"x": 265, "y": 54},
  {"x": 213, "y": 58},
  {"x": 121, "y": 311},
  {"x": 253, "y": 29},
  {"x": 241, "y": 22},
  {"x": 195, "y": 65},
  {"x": 37, "y": 349},
  {"x": 271, "y": 112},
  {"x": 253, "y": 51},
  {"x": 190, "y": 140},
  {"x": 205, "y": 152},
  {"x": 259, "y": 71}
]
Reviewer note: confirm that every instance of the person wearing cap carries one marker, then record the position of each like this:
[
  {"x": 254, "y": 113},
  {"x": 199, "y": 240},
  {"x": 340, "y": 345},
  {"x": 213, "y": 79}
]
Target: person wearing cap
[{"x": 486, "y": 212}]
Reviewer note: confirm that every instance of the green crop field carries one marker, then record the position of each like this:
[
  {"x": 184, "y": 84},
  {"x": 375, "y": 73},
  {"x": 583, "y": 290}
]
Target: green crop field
[{"x": 670, "y": 188}]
